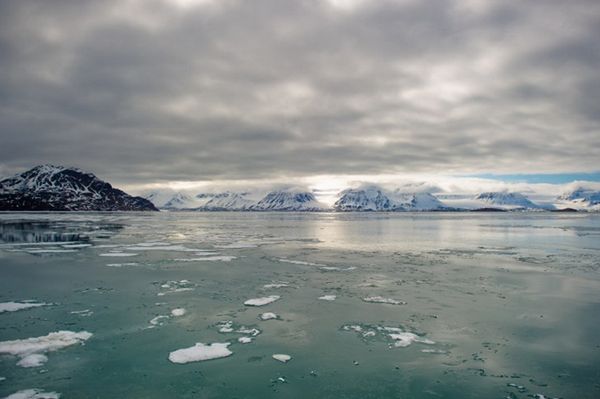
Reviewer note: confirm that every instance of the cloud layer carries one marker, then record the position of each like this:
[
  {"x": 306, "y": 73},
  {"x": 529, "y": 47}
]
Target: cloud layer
[{"x": 143, "y": 91}]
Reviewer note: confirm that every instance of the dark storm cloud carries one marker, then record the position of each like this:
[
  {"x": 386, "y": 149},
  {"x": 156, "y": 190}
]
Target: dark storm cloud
[{"x": 143, "y": 91}]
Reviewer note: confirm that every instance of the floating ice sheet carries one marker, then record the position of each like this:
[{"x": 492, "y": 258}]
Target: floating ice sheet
[
  {"x": 15, "y": 306},
  {"x": 262, "y": 301},
  {"x": 200, "y": 352},
  {"x": 268, "y": 316},
  {"x": 282, "y": 357},
  {"x": 328, "y": 297},
  {"x": 47, "y": 343},
  {"x": 380, "y": 299},
  {"x": 33, "y": 394}
]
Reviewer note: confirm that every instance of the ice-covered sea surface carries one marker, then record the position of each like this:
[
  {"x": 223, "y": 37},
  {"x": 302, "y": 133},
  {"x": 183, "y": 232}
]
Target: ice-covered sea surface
[{"x": 465, "y": 305}]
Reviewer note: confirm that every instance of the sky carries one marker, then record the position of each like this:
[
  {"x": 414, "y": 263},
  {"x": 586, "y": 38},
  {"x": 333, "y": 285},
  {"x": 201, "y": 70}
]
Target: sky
[{"x": 198, "y": 93}]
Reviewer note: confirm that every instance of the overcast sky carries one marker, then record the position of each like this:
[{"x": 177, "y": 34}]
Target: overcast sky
[{"x": 157, "y": 91}]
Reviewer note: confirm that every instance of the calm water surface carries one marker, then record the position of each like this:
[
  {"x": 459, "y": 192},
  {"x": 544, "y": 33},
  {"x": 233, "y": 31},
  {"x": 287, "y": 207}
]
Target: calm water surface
[{"x": 498, "y": 305}]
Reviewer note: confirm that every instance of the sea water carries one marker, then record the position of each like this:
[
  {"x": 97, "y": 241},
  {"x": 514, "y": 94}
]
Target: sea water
[{"x": 300, "y": 305}]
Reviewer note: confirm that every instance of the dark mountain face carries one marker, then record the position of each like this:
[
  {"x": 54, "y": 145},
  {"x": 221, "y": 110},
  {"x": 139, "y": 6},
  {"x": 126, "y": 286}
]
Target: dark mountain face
[{"x": 56, "y": 188}]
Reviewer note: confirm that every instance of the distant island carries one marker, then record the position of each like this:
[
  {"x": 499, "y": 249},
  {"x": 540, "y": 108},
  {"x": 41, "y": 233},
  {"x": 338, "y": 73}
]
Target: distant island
[{"x": 60, "y": 188}]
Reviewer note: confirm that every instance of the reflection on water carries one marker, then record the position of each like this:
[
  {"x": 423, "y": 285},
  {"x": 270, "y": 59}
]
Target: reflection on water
[
  {"x": 49, "y": 232},
  {"x": 368, "y": 305}
]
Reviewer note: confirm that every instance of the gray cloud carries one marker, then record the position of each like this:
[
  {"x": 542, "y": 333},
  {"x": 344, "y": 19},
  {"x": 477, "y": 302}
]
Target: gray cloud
[{"x": 144, "y": 91}]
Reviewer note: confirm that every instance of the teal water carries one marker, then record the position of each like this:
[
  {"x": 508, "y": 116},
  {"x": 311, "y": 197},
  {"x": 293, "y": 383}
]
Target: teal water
[{"x": 511, "y": 303}]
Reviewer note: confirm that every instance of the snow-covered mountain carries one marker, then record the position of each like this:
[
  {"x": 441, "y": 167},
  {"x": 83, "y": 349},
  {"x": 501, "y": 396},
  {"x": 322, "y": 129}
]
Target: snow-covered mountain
[
  {"x": 227, "y": 201},
  {"x": 369, "y": 198},
  {"x": 506, "y": 200},
  {"x": 374, "y": 198},
  {"x": 579, "y": 198},
  {"x": 288, "y": 200},
  {"x": 58, "y": 188},
  {"x": 501, "y": 200}
]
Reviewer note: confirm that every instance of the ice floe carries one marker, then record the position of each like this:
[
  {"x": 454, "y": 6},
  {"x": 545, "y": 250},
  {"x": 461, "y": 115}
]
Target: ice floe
[
  {"x": 73, "y": 246},
  {"x": 281, "y": 284},
  {"x": 328, "y": 297},
  {"x": 158, "y": 321},
  {"x": 200, "y": 352},
  {"x": 178, "y": 248},
  {"x": 262, "y": 301},
  {"x": 282, "y": 357},
  {"x": 47, "y": 343},
  {"x": 268, "y": 316},
  {"x": 178, "y": 312},
  {"x": 380, "y": 299},
  {"x": 15, "y": 306},
  {"x": 33, "y": 394},
  {"x": 118, "y": 254},
  {"x": 83, "y": 313},
  {"x": 122, "y": 264},
  {"x": 216, "y": 258},
  {"x": 394, "y": 336},
  {"x": 244, "y": 340},
  {"x": 299, "y": 262},
  {"x": 51, "y": 251},
  {"x": 33, "y": 360},
  {"x": 227, "y": 326},
  {"x": 172, "y": 287}
]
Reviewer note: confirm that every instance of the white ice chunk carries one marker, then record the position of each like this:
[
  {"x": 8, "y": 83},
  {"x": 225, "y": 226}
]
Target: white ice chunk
[
  {"x": 328, "y": 297},
  {"x": 14, "y": 306},
  {"x": 380, "y": 299},
  {"x": 33, "y": 394},
  {"x": 118, "y": 254},
  {"x": 33, "y": 360},
  {"x": 47, "y": 343},
  {"x": 262, "y": 301},
  {"x": 300, "y": 262},
  {"x": 268, "y": 316},
  {"x": 405, "y": 339},
  {"x": 178, "y": 312},
  {"x": 282, "y": 357},
  {"x": 276, "y": 285},
  {"x": 200, "y": 352},
  {"x": 244, "y": 340},
  {"x": 217, "y": 258}
]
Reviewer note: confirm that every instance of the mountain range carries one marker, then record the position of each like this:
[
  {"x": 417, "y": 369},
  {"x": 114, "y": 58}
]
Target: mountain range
[{"x": 59, "y": 188}]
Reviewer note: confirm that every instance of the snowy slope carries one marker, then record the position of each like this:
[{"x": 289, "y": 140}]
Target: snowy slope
[
  {"x": 49, "y": 187},
  {"x": 227, "y": 201},
  {"x": 580, "y": 198},
  {"x": 502, "y": 200},
  {"x": 289, "y": 200},
  {"x": 374, "y": 198}
]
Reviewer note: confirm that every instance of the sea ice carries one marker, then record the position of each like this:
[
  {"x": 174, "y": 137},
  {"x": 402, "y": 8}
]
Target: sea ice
[
  {"x": 33, "y": 394},
  {"x": 178, "y": 312},
  {"x": 200, "y": 352},
  {"x": 48, "y": 343},
  {"x": 405, "y": 339},
  {"x": 299, "y": 262},
  {"x": 268, "y": 316},
  {"x": 282, "y": 357},
  {"x": 239, "y": 245},
  {"x": 262, "y": 301},
  {"x": 328, "y": 297},
  {"x": 33, "y": 360},
  {"x": 276, "y": 285},
  {"x": 217, "y": 258},
  {"x": 122, "y": 264},
  {"x": 244, "y": 340},
  {"x": 380, "y": 299},
  {"x": 51, "y": 251},
  {"x": 14, "y": 306},
  {"x": 156, "y": 321},
  {"x": 118, "y": 254}
]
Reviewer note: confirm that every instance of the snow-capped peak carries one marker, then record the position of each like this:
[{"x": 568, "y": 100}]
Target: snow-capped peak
[
  {"x": 506, "y": 199},
  {"x": 289, "y": 200}
]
